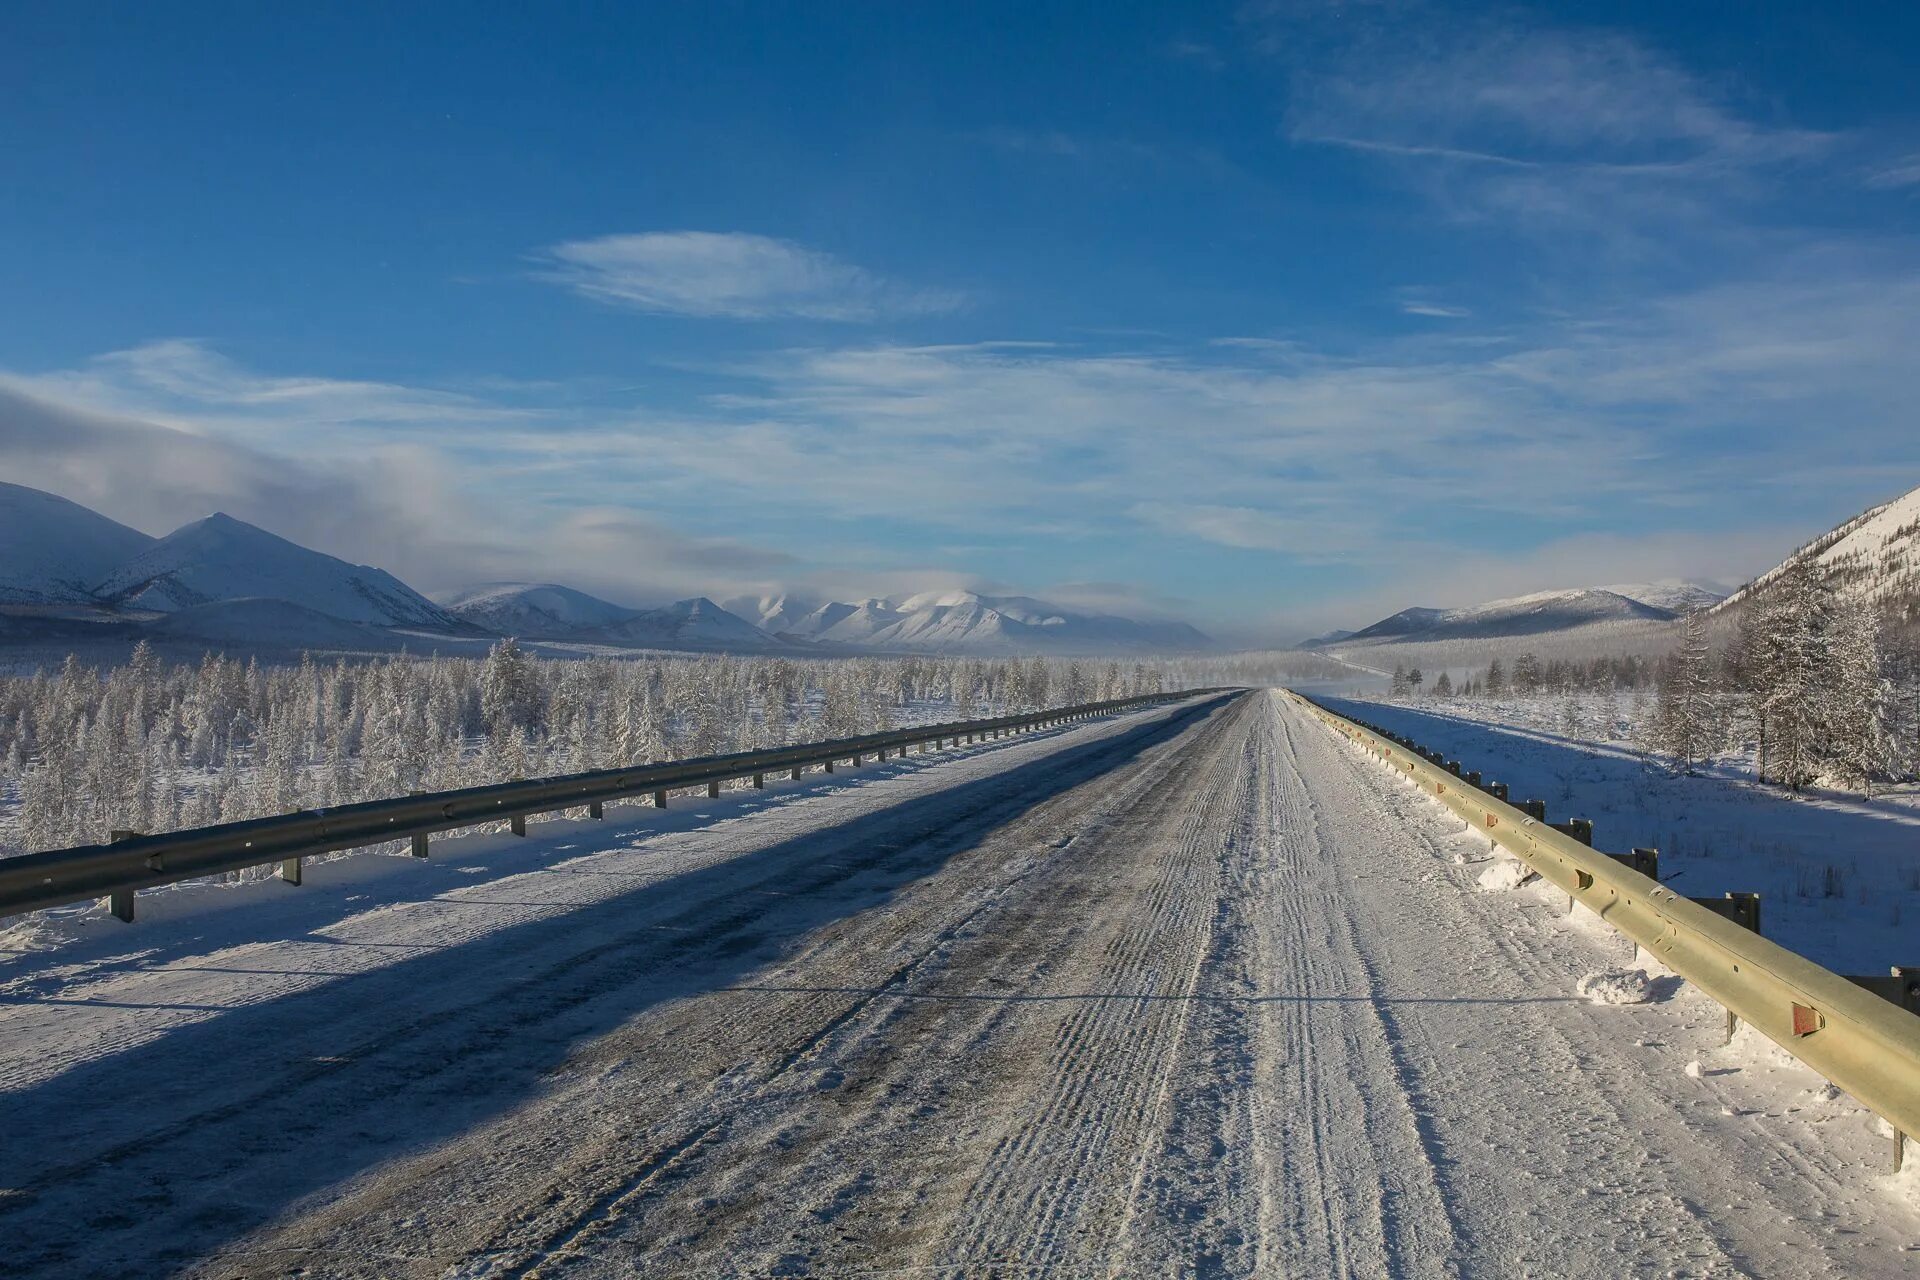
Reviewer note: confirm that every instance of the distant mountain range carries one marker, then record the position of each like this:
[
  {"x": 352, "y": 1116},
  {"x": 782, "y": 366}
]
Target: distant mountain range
[
  {"x": 1876, "y": 553},
  {"x": 966, "y": 621},
  {"x": 223, "y": 581},
  {"x": 532, "y": 610},
  {"x": 1535, "y": 614}
]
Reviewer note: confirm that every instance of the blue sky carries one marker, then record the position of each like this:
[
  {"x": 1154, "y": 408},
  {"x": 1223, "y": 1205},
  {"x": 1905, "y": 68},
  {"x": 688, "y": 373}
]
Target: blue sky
[{"x": 1276, "y": 315}]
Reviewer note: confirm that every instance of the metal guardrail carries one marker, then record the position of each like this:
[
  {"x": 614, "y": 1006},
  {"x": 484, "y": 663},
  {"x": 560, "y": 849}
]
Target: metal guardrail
[
  {"x": 31, "y": 881},
  {"x": 1865, "y": 1044}
]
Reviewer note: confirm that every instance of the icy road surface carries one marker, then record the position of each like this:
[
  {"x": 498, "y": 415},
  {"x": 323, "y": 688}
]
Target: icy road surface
[{"x": 1197, "y": 991}]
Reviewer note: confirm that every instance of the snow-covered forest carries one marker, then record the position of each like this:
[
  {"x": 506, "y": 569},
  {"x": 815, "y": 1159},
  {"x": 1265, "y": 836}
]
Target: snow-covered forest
[
  {"x": 1815, "y": 683},
  {"x": 153, "y": 747}
]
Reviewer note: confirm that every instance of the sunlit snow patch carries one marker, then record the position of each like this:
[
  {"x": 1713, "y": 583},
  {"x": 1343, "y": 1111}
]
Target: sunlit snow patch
[
  {"x": 1616, "y": 986},
  {"x": 1506, "y": 873}
]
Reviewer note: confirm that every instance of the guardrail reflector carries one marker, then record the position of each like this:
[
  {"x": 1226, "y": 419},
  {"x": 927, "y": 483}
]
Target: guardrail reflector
[{"x": 1806, "y": 1020}]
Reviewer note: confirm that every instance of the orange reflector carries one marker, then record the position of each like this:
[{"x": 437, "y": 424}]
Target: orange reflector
[{"x": 1806, "y": 1020}]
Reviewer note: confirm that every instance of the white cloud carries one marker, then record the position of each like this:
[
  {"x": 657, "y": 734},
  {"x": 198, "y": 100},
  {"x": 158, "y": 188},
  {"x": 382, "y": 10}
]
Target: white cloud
[
  {"x": 417, "y": 508},
  {"x": 1903, "y": 172},
  {"x": 731, "y": 275},
  {"x": 1302, "y": 537},
  {"x": 1779, "y": 400},
  {"x": 1553, "y": 130}
]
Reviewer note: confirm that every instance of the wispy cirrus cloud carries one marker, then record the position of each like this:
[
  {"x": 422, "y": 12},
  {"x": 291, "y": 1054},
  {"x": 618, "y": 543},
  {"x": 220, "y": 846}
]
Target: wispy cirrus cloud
[
  {"x": 1890, "y": 175},
  {"x": 1503, "y": 117},
  {"x": 731, "y": 275},
  {"x": 1418, "y": 302},
  {"x": 1524, "y": 96}
]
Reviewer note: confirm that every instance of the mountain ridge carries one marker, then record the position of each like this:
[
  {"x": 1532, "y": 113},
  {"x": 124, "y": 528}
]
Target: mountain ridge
[
  {"x": 220, "y": 558},
  {"x": 52, "y": 549}
]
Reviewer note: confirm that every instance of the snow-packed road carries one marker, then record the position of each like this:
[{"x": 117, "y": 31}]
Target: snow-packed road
[{"x": 1192, "y": 992}]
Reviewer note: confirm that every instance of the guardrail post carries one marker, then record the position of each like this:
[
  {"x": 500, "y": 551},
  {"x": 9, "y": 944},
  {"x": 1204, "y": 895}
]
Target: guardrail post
[
  {"x": 517, "y": 824},
  {"x": 1645, "y": 861},
  {"x": 420, "y": 844},
  {"x": 796, "y": 774},
  {"x": 120, "y": 901},
  {"x": 595, "y": 809},
  {"x": 290, "y": 870},
  {"x": 1579, "y": 828},
  {"x": 1902, "y": 986},
  {"x": 760, "y": 781},
  {"x": 1744, "y": 910},
  {"x": 659, "y": 799},
  {"x": 1498, "y": 790},
  {"x": 1473, "y": 779},
  {"x": 1734, "y": 907},
  {"x": 829, "y": 766},
  {"x": 1535, "y": 809},
  {"x": 713, "y": 790}
]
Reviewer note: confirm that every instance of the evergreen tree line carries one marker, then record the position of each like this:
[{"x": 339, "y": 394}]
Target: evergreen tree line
[
  {"x": 1528, "y": 676},
  {"x": 1821, "y": 684},
  {"x": 1816, "y": 678},
  {"x": 149, "y": 747}
]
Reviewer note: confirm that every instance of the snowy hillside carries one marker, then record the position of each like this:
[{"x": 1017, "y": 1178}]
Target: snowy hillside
[
  {"x": 1324, "y": 639},
  {"x": 220, "y": 558},
  {"x": 52, "y": 551},
  {"x": 538, "y": 610},
  {"x": 270, "y": 624},
  {"x": 698, "y": 623},
  {"x": 1876, "y": 552},
  {"x": 1672, "y": 594},
  {"x": 1404, "y": 623}
]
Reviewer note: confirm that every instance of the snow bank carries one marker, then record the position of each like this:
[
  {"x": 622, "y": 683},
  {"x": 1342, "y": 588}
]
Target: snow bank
[
  {"x": 1616, "y": 986},
  {"x": 1506, "y": 873}
]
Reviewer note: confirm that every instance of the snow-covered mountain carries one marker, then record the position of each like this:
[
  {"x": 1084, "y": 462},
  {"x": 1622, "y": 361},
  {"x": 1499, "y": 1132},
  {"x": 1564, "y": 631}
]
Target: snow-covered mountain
[
  {"x": 227, "y": 581},
  {"x": 861, "y": 623},
  {"x": 967, "y": 622},
  {"x": 1404, "y": 623},
  {"x": 533, "y": 610},
  {"x": 1877, "y": 553},
  {"x": 1541, "y": 611},
  {"x": 698, "y": 623},
  {"x": 53, "y": 551},
  {"x": 774, "y": 614},
  {"x": 220, "y": 558},
  {"x": 1672, "y": 594}
]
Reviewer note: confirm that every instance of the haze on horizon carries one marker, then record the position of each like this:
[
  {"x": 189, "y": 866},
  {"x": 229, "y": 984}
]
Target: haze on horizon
[{"x": 1272, "y": 316}]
